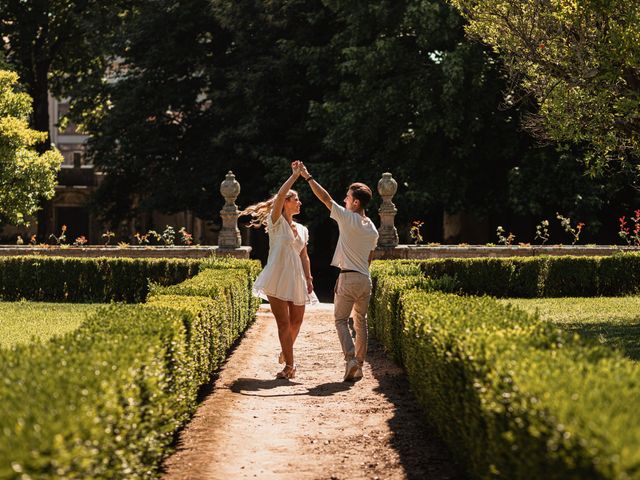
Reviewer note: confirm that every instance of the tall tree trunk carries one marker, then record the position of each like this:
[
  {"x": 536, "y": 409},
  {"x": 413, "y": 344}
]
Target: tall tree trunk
[{"x": 40, "y": 93}]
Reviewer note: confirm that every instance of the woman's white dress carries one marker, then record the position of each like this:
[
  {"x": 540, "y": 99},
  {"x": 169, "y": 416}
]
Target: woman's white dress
[{"x": 283, "y": 276}]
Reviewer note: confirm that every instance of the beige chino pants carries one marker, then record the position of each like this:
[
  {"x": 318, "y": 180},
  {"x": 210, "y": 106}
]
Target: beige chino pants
[{"x": 352, "y": 293}]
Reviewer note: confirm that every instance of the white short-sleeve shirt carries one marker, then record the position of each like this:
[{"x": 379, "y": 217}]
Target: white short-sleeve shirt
[{"x": 358, "y": 237}]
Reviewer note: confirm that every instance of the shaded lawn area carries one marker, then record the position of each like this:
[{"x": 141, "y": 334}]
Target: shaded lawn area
[
  {"x": 21, "y": 322},
  {"x": 610, "y": 321}
]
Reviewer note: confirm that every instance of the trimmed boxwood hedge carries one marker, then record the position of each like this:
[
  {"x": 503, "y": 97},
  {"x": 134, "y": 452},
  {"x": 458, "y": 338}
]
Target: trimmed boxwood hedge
[
  {"x": 106, "y": 400},
  {"x": 90, "y": 280},
  {"x": 230, "y": 285},
  {"x": 514, "y": 397},
  {"x": 531, "y": 277}
]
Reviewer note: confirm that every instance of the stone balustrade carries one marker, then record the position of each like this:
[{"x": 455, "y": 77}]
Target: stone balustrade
[
  {"x": 422, "y": 252},
  {"x": 229, "y": 239},
  {"x": 125, "y": 251}
]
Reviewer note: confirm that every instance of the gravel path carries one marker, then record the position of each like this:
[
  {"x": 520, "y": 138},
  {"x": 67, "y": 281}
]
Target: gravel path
[{"x": 313, "y": 427}]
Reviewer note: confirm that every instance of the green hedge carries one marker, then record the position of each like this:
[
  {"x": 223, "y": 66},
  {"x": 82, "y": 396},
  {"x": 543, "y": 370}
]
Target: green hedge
[
  {"x": 251, "y": 267},
  {"x": 230, "y": 285},
  {"x": 531, "y": 277},
  {"x": 514, "y": 397},
  {"x": 106, "y": 400},
  {"x": 387, "y": 291},
  {"x": 90, "y": 280}
]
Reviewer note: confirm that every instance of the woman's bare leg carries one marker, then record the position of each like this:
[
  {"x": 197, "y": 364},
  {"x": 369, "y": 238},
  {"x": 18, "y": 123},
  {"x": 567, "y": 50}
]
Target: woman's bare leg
[
  {"x": 296, "y": 315},
  {"x": 280, "y": 310}
]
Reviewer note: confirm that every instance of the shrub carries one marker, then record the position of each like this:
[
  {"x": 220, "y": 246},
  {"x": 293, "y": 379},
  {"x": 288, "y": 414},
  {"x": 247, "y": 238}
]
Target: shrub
[
  {"x": 530, "y": 277},
  {"x": 102, "y": 402},
  {"x": 95, "y": 280},
  {"x": 106, "y": 400},
  {"x": 513, "y": 396},
  {"x": 619, "y": 274},
  {"x": 208, "y": 330},
  {"x": 571, "y": 277},
  {"x": 251, "y": 267},
  {"x": 231, "y": 286}
]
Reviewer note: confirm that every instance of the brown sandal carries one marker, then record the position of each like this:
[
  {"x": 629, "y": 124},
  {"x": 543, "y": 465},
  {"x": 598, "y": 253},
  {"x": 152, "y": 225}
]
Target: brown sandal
[{"x": 288, "y": 372}]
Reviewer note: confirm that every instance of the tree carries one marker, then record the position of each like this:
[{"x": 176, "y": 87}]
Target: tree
[
  {"x": 353, "y": 88},
  {"x": 203, "y": 87},
  {"x": 25, "y": 176},
  {"x": 417, "y": 99},
  {"x": 59, "y": 46},
  {"x": 580, "y": 60}
]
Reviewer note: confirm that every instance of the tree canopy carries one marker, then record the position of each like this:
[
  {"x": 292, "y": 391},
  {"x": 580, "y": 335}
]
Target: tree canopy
[
  {"x": 353, "y": 88},
  {"x": 581, "y": 61},
  {"x": 174, "y": 94},
  {"x": 60, "y": 46},
  {"x": 26, "y": 177}
]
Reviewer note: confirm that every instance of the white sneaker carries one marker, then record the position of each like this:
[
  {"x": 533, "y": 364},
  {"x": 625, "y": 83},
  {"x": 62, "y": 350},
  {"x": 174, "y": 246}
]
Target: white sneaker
[{"x": 351, "y": 369}]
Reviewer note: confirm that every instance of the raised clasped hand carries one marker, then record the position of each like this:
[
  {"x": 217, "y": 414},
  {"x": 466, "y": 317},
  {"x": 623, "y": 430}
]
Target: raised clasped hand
[
  {"x": 295, "y": 167},
  {"x": 303, "y": 170}
]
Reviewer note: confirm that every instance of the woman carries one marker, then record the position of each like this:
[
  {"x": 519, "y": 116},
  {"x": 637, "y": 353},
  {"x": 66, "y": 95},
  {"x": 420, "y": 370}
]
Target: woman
[{"x": 286, "y": 280}]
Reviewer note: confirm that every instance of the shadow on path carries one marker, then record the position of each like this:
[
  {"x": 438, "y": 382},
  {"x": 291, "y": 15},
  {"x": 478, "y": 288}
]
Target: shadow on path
[
  {"x": 422, "y": 452},
  {"x": 244, "y": 386}
]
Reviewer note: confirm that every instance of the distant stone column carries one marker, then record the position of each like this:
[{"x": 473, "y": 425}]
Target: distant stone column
[
  {"x": 229, "y": 234},
  {"x": 387, "y": 188}
]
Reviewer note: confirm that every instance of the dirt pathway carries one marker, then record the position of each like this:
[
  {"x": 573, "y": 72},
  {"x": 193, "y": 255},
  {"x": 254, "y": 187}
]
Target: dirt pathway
[{"x": 313, "y": 427}]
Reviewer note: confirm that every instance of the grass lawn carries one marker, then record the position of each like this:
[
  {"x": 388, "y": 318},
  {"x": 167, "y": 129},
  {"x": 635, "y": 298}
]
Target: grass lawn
[
  {"x": 612, "y": 321},
  {"x": 20, "y": 322}
]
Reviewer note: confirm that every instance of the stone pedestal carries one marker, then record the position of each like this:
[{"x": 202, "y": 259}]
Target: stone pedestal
[
  {"x": 229, "y": 236},
  {"x": 387, "y": 188}
]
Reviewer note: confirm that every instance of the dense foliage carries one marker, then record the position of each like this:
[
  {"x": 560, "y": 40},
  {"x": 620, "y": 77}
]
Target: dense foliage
[
  {"x": 106, "y": 400},
  {"x": 59, "y": 46},
  {"x": 513, "y": 396},
  {"x": 352, "y": 88},
  {"x": 60, "y": 279},
  {"x": 581, "y": 60},
  {"x": 174, "y": 94},
  {"x": 26, "y": 176}
]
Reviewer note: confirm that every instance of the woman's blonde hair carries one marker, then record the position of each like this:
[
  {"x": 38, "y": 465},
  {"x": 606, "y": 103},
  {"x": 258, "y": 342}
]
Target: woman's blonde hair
[{"x": 260, "y": 211}]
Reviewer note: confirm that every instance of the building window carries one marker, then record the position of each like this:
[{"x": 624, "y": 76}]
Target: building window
[
  {"x": 77, "y": 159},
  {"x": 63, "y": 109}
]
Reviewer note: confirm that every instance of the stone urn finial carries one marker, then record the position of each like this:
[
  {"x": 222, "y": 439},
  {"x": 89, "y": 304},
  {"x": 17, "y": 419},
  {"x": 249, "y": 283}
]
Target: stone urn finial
[
  {"x": 387, "y": 188},
  {"x": 230, "y": 189},
  {"x": 229, "y": 236}
]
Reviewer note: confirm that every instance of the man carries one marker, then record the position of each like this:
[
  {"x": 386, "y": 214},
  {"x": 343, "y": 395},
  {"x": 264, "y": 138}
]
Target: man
[{"x": 354, "y": 251}]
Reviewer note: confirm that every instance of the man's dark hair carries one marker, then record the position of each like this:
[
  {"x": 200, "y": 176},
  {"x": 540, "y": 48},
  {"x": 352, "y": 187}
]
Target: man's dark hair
[{"x": 362, "y": 193}]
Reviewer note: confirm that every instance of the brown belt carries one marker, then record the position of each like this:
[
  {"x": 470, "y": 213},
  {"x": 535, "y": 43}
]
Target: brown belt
[{"x": 348, "y": 271}]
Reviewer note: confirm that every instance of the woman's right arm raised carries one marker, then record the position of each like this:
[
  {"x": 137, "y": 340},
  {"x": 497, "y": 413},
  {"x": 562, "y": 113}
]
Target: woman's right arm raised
[{"x": 281, "y": 196}]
